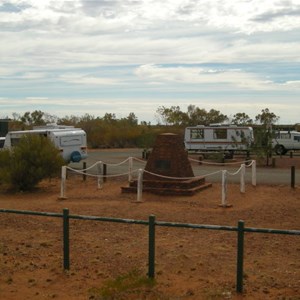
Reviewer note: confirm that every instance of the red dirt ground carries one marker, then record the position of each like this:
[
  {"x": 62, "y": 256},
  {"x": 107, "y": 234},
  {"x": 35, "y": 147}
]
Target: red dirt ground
[{"x": 190, "y": 264}]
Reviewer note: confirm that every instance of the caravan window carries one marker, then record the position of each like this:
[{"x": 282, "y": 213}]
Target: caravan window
[
  {"x": 197, "y": 133},
  {"x": 74, "y": 140},
  {"x": 220, "y": 134}
]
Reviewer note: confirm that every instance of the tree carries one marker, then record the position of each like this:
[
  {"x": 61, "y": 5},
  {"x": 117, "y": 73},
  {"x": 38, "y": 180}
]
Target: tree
[
  {"x": 172, "y": 115},
  {"x": 69, "y": 120},
  {"x": 194, "y": 116},
  {"x": 264, "y": 135},
  {"x": 266, "y": 118},
  {"x": 215, "y": 116},
  {"x": 29, "y": 119},
  {"x": 34, "y": 118},
  {"x": 132, "y": 119},
  {"x": 110, "y": 118},
  {"x": 242, "y": 119}
]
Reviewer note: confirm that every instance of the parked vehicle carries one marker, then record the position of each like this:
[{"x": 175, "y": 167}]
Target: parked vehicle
[
  {"x": 218, "y": 137},
  {"x": 71, "y": 141},
  {"x": 285, "y": 141}
]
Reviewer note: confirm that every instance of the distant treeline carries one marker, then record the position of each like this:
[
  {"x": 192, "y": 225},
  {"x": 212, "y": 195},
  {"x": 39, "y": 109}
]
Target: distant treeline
[{"x": 110, "y": 132}]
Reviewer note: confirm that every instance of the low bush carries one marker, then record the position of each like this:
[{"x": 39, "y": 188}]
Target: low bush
[
  {"x": 34, "y": 158},
  {"x": 132, "y": 285}
]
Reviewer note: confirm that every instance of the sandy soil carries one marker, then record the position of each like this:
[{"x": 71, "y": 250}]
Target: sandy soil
[{"x": 190, "y": 263}]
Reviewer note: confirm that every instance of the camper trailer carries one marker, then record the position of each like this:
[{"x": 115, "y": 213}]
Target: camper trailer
[
  {"x": 285, "y": 141},
  {"x": 218, "y": 137},
  {"x": 70, "y": 141}
]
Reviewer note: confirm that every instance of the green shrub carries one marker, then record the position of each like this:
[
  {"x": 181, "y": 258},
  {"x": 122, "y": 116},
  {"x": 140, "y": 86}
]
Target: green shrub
[
  {"x": 32, "y": 160},
  {"x": 4, "y": 165},
  {"x": 125, "y": 287}
]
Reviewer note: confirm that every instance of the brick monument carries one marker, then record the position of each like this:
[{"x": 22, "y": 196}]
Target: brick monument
[{"x": 168, "y": 170}]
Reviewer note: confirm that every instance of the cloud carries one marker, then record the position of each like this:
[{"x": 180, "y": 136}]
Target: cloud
[
  {"x": 87, "y": 79},
  {"x": 12, "y": 7},
  {"x": 172, "y": 51},
  {"x": 243, "y": 16},
  {"x": 62, "y": 107},
  {"x": 105, "y": 8},
  {"x": 33, "y": 75},
  {"x": 270, "y": 16},
  {"x": 37, "y": 100},
  {"x": 201, "y": 76},
  {"x": 292, "y": 84}
]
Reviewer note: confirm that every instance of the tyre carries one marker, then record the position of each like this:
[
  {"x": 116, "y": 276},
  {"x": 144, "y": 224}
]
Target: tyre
[
  {"x": 280, "y": 150},
  {"x": 229, "y": 154}
]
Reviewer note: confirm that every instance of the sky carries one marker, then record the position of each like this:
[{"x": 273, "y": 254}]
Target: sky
[{"x": 71, "y": 58}]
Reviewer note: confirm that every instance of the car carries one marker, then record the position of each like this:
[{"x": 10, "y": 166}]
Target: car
[{"x": 285, "y": 141}]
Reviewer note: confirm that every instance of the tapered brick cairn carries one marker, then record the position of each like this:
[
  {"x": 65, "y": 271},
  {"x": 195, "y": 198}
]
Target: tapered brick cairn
[
  {"x": 168, "y": 170},
  {"x": 168, "y": 158}
]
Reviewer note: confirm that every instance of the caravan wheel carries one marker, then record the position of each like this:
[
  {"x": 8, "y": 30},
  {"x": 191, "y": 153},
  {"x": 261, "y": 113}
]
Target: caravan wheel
[{"x": 280, "y": 150}]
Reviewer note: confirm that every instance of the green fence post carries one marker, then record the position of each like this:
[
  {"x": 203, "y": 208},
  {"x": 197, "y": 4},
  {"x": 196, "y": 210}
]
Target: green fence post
[
  {"x": 240, "y": 258},
  {"x": 151, "y": 254},
  {"x": 66, "y": 240}
]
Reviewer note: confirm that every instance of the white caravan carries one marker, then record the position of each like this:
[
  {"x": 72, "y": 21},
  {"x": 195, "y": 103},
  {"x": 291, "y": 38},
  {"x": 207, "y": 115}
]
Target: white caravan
[
  {"x": 70, "y": 141},
  {"x": 284, "y": 141},
  {"x": 218, "y": 137}
]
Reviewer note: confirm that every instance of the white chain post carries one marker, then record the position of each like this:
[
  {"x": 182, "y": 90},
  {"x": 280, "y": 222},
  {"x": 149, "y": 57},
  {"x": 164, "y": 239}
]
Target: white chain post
[
  {"x": 140, "y": 185},
  {"x": 243, "y": 172},
  {"x": 224, "y": 188},
  {"x": 254, "y": 172},
  {"x": 100, "y": 176},
  {"x": 63, "y": 182},
  {"x": 130, "y": 163}
]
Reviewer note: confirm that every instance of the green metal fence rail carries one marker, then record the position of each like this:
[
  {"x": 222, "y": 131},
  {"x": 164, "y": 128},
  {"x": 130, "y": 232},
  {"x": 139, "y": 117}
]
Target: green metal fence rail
[{"x": 152, "y": 223}]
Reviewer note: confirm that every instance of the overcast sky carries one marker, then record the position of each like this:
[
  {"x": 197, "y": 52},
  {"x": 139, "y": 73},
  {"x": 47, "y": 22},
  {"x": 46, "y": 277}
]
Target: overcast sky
[{"x": 120, "y": 56}]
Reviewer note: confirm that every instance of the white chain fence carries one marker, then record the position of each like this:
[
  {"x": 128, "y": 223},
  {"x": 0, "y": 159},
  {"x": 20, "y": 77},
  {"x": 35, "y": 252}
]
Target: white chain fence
[{"x": 139, "y": 175}]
